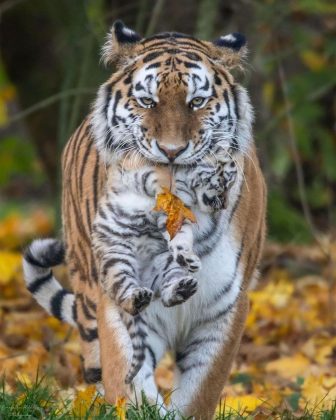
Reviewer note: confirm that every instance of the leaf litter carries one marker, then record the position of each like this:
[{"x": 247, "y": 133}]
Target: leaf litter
[{"x": 287, "y": 358}]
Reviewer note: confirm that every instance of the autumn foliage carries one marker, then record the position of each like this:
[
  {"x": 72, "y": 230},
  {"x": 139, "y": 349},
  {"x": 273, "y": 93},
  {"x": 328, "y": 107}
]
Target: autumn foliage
[
  {"x": 175, "y": 210},
  {"x": 287, "y": 358}
]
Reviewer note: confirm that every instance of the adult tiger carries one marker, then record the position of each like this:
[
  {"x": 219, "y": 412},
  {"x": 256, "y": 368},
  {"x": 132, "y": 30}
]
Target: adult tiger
[{"x": 171, "y": 100}]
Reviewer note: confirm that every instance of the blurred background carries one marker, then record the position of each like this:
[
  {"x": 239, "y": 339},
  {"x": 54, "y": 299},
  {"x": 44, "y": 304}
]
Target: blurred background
[{"x": 49, "y": 73}]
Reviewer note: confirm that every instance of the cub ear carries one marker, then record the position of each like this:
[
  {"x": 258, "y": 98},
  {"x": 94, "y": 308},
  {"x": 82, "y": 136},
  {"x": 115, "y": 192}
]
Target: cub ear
[
  {"x": 230, "y": 49},
  {"x": 120, "y": 43}
]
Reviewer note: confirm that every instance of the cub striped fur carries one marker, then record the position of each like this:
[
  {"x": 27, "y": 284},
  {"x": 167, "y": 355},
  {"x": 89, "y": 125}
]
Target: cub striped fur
[{"x": 137, "y": 258}]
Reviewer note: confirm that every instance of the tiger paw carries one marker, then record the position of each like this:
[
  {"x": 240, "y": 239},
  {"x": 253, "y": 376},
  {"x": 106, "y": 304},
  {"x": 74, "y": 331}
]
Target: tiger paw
[
  {"x": 137, "y": 300},
  {"x": 179, "y": 291}
]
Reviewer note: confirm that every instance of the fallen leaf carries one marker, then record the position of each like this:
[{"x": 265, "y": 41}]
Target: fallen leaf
[
  {"x": 121, "y": 408},
  {"x": 175, "y": 210},
  {"x": 10, "y": 266},
  {"x": 290, "y": 366},
  {"x": 83, "y": 401},
  {"x": 240, "y": 404},
  {"x": 318, "y": 391}
]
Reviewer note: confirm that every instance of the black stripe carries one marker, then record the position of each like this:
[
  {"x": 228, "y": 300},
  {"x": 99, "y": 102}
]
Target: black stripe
[
  {"x": 184, "y": 47},
  {"x": 117, "y": 98},
  {"x": 29, "y": 257},
  {"x": 191, "y": 65},
  {"x": 83, "y": 250},
  {"x": 56, "y": 303},
  {"x": 74, "y": 139},
  {"x": 197, "y": 342},
  {"x": 193, "y": 56},
  {"x": 92, "y": 375},
  {"x": 87, "y": 334},
  {"x": 234, "y": 208},
  {"x": 219, "y": 314},
  {"x": 226, "y": 77},
  {"x": 227, "y": 101},
  {"x": 192, "y": 366},
  {"x": 108, "y": 90},
  {"x": 117, "y": 284},
  {"x": 190, "y": 42},
  {"x": 95, "y": 183},
  {"x": 113, "y": 261},
  {"x": 53, "y": 254},
  {"x": 145, "y": 177},
  {"x": 154, "y": 65},
  {"x": 152, "y": 355},
  {"x": 152, "y": 56},
  {"x": 91, "y": 304},
  {"x": 78, "y": 218},
  {"x": 236, "y": 99},
  {"x": 226, "y": 289},
  {"x": 87, "y": 206},
  {"x": 81, "y": 172},
  {"x": 74, "y": 311},
  {"x": 35, "y": 286},
  {"x": 167, "y": 35},
  {"x": 85, "y": 309},
  {"x": 94, "y": 273}
]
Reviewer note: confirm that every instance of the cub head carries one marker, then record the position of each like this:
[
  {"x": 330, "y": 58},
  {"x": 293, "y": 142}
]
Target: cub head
[{"x": 172, "y": 98}]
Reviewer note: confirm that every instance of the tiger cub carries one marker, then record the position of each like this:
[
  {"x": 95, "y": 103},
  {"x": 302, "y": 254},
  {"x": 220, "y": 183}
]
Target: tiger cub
[{"x": 138, "y": 260}]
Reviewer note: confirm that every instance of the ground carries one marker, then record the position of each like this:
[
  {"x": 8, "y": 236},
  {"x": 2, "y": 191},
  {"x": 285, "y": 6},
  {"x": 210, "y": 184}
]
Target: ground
[{"x": 286, "y": 367}]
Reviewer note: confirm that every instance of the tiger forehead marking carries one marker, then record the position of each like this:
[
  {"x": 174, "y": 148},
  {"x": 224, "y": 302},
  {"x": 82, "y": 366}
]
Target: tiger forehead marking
[
  {"x": 173, "y": 99},
  {"x": 173, "y": 72}
]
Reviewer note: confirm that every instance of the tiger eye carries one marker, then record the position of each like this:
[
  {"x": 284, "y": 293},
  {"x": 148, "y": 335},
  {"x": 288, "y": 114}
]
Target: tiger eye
[
  {"x": 198, "y": 101},
  {"x": 147, "y": 101}
]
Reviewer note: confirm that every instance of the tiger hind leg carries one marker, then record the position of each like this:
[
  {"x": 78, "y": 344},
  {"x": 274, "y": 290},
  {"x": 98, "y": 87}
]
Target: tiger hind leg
[{"x": 86, "y": 319}]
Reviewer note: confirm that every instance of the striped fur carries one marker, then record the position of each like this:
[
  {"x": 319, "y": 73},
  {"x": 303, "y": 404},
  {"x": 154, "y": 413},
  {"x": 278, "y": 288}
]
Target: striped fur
[
  {"x": 137, "y": 258},
  {"x": 38, "y": 258},
  {"x": 172, "y": 100}
]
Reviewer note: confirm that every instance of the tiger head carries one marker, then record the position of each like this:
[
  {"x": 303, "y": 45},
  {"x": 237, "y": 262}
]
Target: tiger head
[{"x": 172, "y": 98}]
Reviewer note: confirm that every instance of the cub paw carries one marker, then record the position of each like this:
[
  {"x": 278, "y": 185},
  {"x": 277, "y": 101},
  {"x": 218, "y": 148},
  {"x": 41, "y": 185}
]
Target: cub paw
[
  {"x": 179, "y": 291},
  {"x": 137, "y": 300},
  {"x": 185, "y": 257}
]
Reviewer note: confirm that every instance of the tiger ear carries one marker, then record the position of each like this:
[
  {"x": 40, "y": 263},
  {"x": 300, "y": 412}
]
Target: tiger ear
[
  {"x": 230, "y": 49},
  {"x": 120, "y": 43}
]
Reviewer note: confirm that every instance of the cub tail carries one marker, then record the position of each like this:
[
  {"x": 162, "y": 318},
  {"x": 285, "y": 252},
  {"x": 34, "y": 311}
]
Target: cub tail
[
  {"x": 136, "y": 327},
  {"x": 38, "y": 258}
]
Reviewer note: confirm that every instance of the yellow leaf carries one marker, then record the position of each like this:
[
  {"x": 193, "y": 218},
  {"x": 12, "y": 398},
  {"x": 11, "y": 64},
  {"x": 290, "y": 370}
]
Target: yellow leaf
[
  {"x": 313, "y": 60},
  {"x": 239, "y": 404},
  {"x": 10, "y": 265},
  {"x": 175, "y": 209},
  {"x": 24, "y": 379},
  {"x": 289, "y": 367},
  {"x": 318, "y": 391},
  {"x": 121, "y": 408},
  {"x": 83, "y": 401}
]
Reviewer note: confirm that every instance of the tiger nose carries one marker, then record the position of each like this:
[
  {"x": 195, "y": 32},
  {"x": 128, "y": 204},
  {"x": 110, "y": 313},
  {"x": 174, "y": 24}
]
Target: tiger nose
[{"x": 171, "y": 152}]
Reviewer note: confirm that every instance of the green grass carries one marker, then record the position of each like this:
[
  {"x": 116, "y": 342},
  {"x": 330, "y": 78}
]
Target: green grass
[{"x": 40, "y": 401}]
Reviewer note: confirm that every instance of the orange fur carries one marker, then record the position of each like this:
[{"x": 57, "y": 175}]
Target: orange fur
[{"x": 84, "y": 177}]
